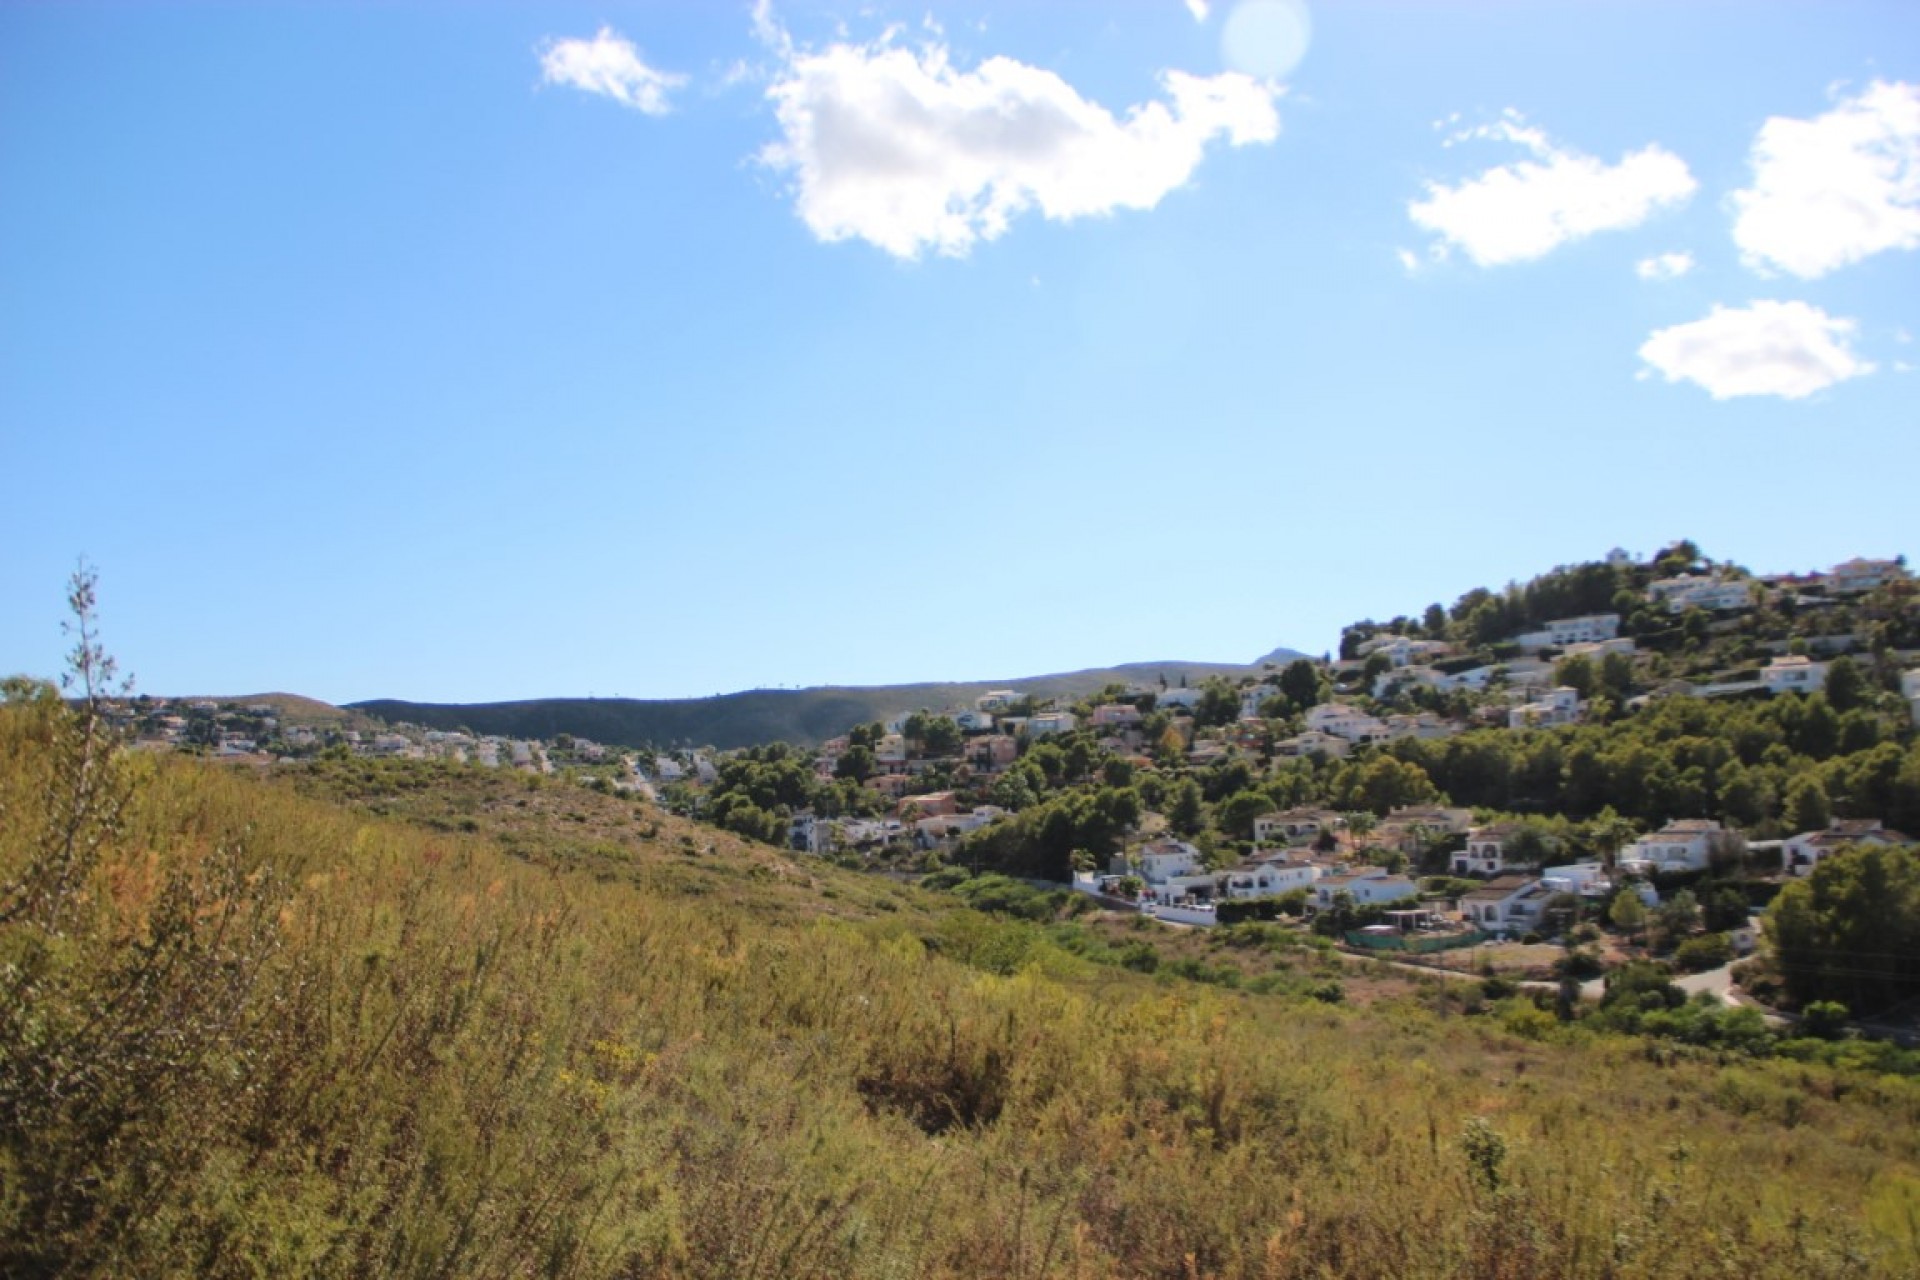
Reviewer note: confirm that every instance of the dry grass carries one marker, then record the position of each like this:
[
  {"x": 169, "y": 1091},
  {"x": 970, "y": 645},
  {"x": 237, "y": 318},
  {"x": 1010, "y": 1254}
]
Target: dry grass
[{"x": 563, "y": 1044}]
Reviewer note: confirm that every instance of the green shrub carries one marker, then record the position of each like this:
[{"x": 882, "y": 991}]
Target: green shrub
[{"x": 1708, "y": 951}]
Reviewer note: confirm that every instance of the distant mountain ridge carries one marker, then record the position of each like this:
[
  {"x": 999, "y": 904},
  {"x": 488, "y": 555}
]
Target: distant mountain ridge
[{"x": 801, "y": 716}]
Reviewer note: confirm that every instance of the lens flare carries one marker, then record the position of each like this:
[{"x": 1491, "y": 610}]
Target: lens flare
[{"x": 1266, "y": 38}]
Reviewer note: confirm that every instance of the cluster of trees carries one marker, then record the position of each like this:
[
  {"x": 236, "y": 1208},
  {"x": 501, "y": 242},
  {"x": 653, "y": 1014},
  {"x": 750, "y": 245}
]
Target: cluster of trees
[
  {"x": 1078, "y": 827},
  {"x": 1485, "y": 617},
  {"x": 1781, "y": 764},
  {"x": 758, "y": 790},
  {"x": 1850, "y": 932}
]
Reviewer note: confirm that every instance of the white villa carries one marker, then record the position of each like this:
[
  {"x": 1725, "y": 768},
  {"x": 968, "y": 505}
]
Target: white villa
[
  {"x": 1588, "y": 879},
  {"x": 1594, "y": 628},
  {"x": 1312, "y": 741},
  {"x": 1506, "y": 905},
  {"x": 1559, "y": 707},
  {"x": 1346, "y": 722},
  {"x": 1685, "y": 845},
  {"x": 1291, "y": 828},
  {"x": 1267, "y": 878},
  {"x": 1859, "y": 575},
  {"x": 1368, "y": 886},
  {"x": 1794, "y": 674},
  {"x": 1486, "y": 851},
  {"x": 1802, "y": 853},
  {"x": 1689, "y": 591}
]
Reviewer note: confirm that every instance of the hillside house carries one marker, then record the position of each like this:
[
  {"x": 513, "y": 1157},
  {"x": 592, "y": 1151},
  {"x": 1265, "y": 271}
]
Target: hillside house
[
  {"x": 1207, "y": 751},
  {"x": 1593, "y": 628},
  {"x": 1794, "y": 673},
  {"x": 1292, "y": 828},
  {"x": 1488, "y": 850},
  {"x": 1173, "y": 870},
  {"x": 1588, "y": 879},
  {"x": 1686, "y": 845},
  {"x": 995, "y": 700},
  {"x": 939, "y": 829},
  {"x": 1858, "y": 575},
  {"x": 1424, "y": 725},
  {"x": 890, "y": 753},
  {"x": 1475, "y": 678},
  {"x": 1267, "y": 878},
  {"x": 1116, "y": 715},
  {"x": 1346, "y": 722},
  {"x": 1368, "y": 886},
  {"x": 1802, "y": 853},
  {"x": 1690, "y": 591},
  {"x": 974, "y": 721},
  {"x": 1600, "y": 649},
  {"x": 992, "y": 753},
  {"x": 1310, "y": 742},
  {"x": 1452, "y": 821},
  {"x": 934, "y": 804},
  {"x": 894, "y": 786},
  {"x": 1403, "y": 651},
  {"x": 1179, "y": 697},
  {"x": 1049, "y": 723},
  {"x": 1509, "y": 904},
  {"x": 1414, "y": 677},
  {"x": 1160, "y": 859},
  {"x": 1559, "y": 707}
]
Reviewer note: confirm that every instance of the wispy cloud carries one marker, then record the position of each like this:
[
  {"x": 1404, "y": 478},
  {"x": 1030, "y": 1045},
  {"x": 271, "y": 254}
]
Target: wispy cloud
[
  {"x": 1787, "y": 349},
  {"x": 902, "y": 149},
  {"x": 609, "y": 65},
  {"x": 1522, "y": 211},
  {"x": 1664, "y": 266},
  {"x": 1832, "y": 190}
]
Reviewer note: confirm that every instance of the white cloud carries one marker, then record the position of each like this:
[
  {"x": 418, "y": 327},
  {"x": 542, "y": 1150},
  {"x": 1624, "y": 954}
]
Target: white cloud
[
  {"x": 1521, "y": 211},
  {"x": 1788, "y": 349},
  {"x": 609, "y": 65},
  {"x": 1664, "y": 266},
  {"x": 767, "y": 29},
  {"x": 1835, "y": 189},
  {"x": 1199, "y": 9},
  {"x": 902, "y": 150}
]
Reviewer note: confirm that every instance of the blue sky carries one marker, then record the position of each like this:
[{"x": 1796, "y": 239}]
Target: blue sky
[{"x": 473, "y": 352}]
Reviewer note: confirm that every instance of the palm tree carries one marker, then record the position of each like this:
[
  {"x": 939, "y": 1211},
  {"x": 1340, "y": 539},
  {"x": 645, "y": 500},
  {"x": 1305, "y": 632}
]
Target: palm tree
[
  {"x": 1359, "y": 825},
  {"x": 1609, "y": 833}
]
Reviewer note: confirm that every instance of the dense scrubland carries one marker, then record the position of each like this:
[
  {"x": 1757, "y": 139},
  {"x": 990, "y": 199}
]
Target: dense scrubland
[{"x": 429, "y": 1022}]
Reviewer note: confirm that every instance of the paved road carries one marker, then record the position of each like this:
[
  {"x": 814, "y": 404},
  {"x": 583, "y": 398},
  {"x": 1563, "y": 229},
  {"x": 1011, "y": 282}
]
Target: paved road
[{"x": 1718, "y": 981}]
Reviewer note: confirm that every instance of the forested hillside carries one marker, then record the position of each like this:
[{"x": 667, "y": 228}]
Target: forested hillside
[{"x": 802, "y": 716}]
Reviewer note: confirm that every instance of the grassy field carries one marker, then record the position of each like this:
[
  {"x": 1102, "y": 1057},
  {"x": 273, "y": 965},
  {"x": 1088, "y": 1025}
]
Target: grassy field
[{"x": 426, "y": 1021}]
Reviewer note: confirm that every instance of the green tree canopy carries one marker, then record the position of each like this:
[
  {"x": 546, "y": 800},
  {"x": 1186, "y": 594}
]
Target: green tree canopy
[{"x": 1851, "y": 930}]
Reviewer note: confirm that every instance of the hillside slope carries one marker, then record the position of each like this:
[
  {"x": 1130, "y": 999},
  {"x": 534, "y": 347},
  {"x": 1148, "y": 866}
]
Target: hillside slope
[
  {"x": 414, "y": 1020},
  {"x": 804, "y": 717}
]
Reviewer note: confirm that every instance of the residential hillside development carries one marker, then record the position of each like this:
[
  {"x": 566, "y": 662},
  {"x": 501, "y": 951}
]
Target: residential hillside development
[
  {"x": 1659, "y": 730},
  {"x": 1638, "y": 734}
]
